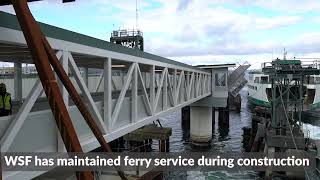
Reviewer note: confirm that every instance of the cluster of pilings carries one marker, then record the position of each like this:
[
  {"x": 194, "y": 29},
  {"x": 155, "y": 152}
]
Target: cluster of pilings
[
  {"x": 234, "y": 102},
  {"x": 141, "y": 140},
  {"x": 253, "y": 137},
  {"x": 223, "y": 117},
  {"x": 261, "y": 138}
]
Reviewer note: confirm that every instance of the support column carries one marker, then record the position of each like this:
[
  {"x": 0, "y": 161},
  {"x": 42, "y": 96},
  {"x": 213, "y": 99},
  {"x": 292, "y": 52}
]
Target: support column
[
  {"x": 18, "y": 81},
  {"x": 224, "y": 115},
  {"x": 201, "y": 125},
  {"x": 65, "y": 95},
  {"x": 213, "y": 118},
  {"x": 168, "y": 145},
  {"x": 86, "y": 76},
  {"x": 134, "y": 94},
  {"x": 162, "y": 145},
  {"x": 152, "y": 89},
  {"x": 165, "y": 91},
  {"x": 185, "y": 118},
  {"x": 107, "y": 93}
]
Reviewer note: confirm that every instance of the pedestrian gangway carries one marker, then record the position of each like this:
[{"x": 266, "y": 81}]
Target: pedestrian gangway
[
  {"x": 236, "y": 79},
  {"x": 128, "y": 89}
]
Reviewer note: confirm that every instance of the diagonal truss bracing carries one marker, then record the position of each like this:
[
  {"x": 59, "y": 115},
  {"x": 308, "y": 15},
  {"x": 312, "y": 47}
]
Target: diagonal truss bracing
[
  {"x": 172, "y": 88},
  {"x": 145, "y": 90}
]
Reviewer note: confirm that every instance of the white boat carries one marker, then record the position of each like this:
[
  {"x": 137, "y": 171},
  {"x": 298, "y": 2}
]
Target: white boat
[
  {"x": 259, "y": 90},
  {"x": 258, "y": 86}
]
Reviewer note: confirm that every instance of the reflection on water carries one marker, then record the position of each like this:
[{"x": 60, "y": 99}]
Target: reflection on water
[
  {"x": 224, "y": 139},
  {"x": 311, "y": 123}
]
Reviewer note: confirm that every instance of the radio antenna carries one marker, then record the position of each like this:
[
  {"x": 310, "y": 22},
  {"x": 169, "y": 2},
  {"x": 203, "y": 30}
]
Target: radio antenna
[{"x": 137, "y": 14}]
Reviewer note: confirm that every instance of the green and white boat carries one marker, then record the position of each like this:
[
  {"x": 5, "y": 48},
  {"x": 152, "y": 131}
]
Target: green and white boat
[{"x": 259, "y": 87}]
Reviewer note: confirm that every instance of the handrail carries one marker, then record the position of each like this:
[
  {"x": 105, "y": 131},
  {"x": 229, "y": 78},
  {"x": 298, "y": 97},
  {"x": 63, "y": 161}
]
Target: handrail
[
  {"x": 43, "y": 56},
  {"x": 126, "y": 33}
]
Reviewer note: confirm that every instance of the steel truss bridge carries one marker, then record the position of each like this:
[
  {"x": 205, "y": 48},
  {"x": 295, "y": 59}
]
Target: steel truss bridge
[{"x": 132, "y": 89}]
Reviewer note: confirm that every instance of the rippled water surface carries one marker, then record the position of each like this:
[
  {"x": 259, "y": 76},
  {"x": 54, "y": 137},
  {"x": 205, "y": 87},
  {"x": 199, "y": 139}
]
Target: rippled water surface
[{"x": 224, "y": 139}]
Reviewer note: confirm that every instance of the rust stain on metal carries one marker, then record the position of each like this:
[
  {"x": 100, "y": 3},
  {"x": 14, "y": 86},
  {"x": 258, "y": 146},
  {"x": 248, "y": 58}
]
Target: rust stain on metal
[
  {"x": 34, "y": 40},
  {"x": 77, "y": 100},
  {"x": 43, "y": 55}
]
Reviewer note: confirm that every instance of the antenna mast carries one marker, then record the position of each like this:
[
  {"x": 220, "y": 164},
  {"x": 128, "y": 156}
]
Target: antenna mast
[
  {"x": 137, "y": 14},
  {"x": 284, "y": 54},
  {"x": 129, "y": 38}
]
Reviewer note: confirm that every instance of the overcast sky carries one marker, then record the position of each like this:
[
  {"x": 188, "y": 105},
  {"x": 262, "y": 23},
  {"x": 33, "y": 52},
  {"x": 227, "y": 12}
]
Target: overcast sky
[{"x": 198, "y": 31}]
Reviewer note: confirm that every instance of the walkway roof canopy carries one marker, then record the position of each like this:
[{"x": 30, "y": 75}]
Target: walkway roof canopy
[{"x": 87, "y": 51}]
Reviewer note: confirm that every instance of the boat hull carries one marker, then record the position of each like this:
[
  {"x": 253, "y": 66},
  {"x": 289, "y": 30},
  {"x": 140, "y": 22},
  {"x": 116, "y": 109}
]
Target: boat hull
[{"x": 259, "y": 102}]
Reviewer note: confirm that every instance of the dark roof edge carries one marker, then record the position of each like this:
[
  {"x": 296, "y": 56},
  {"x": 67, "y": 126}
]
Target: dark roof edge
[{"x": 10, "y": 21}]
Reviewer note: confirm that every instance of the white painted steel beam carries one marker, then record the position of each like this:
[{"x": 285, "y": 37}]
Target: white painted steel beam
[
  {"x": 93, "y": 143},
  {"x": 85, "y": 92},
  {"x": 86, "y": 75},
  {"x": 125, "y": 87},
  {"x": 175, "y": 86},
  {"x": 190, "y": 86},
  {"x": 99, "y": 82},
  {"x": 170, "y": 94},
  {"x": 178, "y": 88},
  {"x": 63, "y": 56},
  {"x": 107, "y": 93},
  {"x": 17, "y": 37},
  {"x": 165, "y": 92},
  {"x": 152, "y": 88},
  {"x": 134, "y": 94},
  {"x": 20, "y": 117},
  {"x": 159, "y": 88},
  {"x": 64, "y": 60},
  {"x": 197, "y": 85},
  {"x": 145, "y": 94},
  {"x": 113, "y": 82},
  {"x": 185, "y": 88},
  {"x": 187, "y": 82}
]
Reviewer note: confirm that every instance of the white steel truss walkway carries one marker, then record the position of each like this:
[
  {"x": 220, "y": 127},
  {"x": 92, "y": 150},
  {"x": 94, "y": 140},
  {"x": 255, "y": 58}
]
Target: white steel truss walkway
[
  {"x": 132, "y": 89},
  {"x": 150, "y": 87}
]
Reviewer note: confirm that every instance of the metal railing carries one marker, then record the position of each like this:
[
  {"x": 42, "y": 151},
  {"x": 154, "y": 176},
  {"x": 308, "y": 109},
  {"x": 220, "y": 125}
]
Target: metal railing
[
  {"x": 291, "y": 64},
  {"x": 126, "y": 33}
]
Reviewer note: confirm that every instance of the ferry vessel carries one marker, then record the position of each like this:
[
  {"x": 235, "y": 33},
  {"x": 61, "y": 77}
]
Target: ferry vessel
[{"x": 259, "y": 86}]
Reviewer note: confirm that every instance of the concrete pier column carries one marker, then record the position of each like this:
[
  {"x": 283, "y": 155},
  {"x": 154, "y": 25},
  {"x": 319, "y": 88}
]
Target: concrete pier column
[
  {"x": 213, "y": 118},
  {"x": 223, "y": 117},
  {"x": 200, "y": 125},
  {"x": 185, "y": 117}
]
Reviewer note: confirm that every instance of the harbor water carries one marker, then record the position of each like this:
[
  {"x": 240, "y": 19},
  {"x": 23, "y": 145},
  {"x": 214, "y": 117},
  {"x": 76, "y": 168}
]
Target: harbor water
[{"x": 225, "y": 139}]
